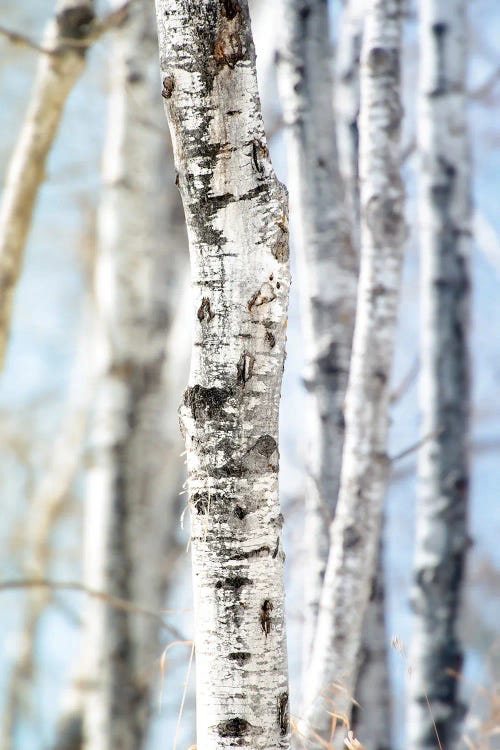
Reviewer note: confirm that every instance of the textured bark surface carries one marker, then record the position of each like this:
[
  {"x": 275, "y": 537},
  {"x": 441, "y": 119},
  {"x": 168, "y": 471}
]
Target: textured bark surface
[
  {"x": 134, "y": 464},
  {"x": 236, "y": 212},
  {"x": 355, "y": 528},
  {"x": 56, "y": 76},
  {"x": 327, "y": 272},
  {"x": 443, "y": 471}
]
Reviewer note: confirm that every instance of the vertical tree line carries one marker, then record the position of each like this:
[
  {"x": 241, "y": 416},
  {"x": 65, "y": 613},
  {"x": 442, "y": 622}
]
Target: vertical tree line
[{"x": 443, "y": 466}]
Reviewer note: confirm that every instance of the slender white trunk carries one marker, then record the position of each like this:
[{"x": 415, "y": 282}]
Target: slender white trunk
[
  {"x": 443, "y": 470},
  {"x": 327, "y": 272},
  {"x": 371, "y": 718},
  {"x": 372, "y": 715},
  {"x": 56, "y": 75},
  {"x": 135, "y": 452},
  {"x": 347, "y": 106},
  {"x": 236, "y": 212},
  {"x": 355, "y": 528}
]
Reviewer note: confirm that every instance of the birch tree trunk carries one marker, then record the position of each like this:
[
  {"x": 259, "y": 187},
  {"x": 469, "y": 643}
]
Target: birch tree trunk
[
  {"x": 371, "y": 717},
  {"x": 443, "y": 467},
  {"x": 236, "y": 212},
  {"x": 327, "y": 272},
  {"x": 56, "y": 75},
  {"x": 355, "y": 528},
  {"x": 134, "y": 468},
  {"x": 347, "y": 106}
]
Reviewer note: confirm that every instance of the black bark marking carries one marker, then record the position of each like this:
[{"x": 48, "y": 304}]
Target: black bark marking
[
  {"x": 240, "y": 512},
  {"x": 265, "y": 616},
  {"x": 271, "y": 339},
  {"x": 206, "y": 403},
  {"x": 383, "y": 61},
  {"x": 230, "y": 8},
  {"x": 263, "y": 551},
  {"x": 439, "y": 31},
  {"x": 74, "y": 22},
  {"x": 201, "y": 502},
  {"x": 205, "y": 311},
  {"x": 244, "y": 368},
  {"x": 283, "y": 713},
  {"x": 240, "y": 657},
  {"x": 266, "y": 445},
  {"x": 231, "y": 468},
  {"x": 233, "y": 727},
  {"x": 351, "y": 537},
  {"x": 233, "y": 584},
  {"x": 260, "y": 154},
  {"x": 168, "y": 87}
]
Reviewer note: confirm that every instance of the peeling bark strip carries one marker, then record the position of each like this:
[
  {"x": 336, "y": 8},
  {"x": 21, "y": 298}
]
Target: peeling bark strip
[
  {"x": 235, "y": 210},
  {"x": 130, "y": 514},
  {"x": 55, "y": 78},
  {"x": 349, "y": 572},
  {"x": 327, "y": 270},
  {"x": 443, "y": 467}
]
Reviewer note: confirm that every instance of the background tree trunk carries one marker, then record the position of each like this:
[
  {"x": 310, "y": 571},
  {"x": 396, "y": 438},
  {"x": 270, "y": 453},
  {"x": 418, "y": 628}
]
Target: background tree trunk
[
  {"x": 355, "y": 528},
  {"x": 443, "y": 467},
  {"x": 236, "y": 212},
  {"x": 326, "y": 270},
  {"x": 347, "y": 106},
  {"x": 135, "y": 467},
  {"x": 56, "y": 75}
]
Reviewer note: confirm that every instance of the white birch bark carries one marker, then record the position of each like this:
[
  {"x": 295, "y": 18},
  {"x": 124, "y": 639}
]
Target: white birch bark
[
  {"x": 443, "y": 466},
  {"x": 236, "y": 212},
  {"x": 371, "y": 716},
  {"x": 56, "y": 75},
  {"x": 347, "y": 106},
  {"x": 134, "y": 469},
  {"x": 327, "y": 272},
  {"x": 355, "y": 528}
]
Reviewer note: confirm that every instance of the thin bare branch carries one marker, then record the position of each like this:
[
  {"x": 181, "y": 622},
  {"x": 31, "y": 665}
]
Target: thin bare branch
[{"x": 122, "y": 604}]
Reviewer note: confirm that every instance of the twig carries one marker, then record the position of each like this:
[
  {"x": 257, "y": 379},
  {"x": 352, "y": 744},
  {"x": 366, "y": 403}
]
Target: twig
[
  {"x": 116, "y": 602},
  {"x": 486, "y": 87},
  {"x": 95, "y": 31},
  {"x": 17, "y": 38},
  {"x": 415, "y": 446},
  {"x": 408, "y": 379}
]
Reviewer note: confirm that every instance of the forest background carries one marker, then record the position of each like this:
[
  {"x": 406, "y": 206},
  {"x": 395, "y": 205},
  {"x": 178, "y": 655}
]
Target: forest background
[{"x": 44, "y": 344}]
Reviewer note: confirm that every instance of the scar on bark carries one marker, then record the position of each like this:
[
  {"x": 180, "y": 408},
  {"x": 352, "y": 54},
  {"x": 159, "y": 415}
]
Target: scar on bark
[
  {"x": 265, "y": 616},
  {"x": 230, "y": 45},
  {"x": 205, "y": 403},
  {"x": 281, "y": 249},
  {"x": 205, "y": 311},
  {"x": 244, "y": 368},
  {"x": 283, "y": 713},
  {"x": 260, "y": 154},
  {"x": 168, "y": 87},
  {"x": 262, "y": 296}
]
